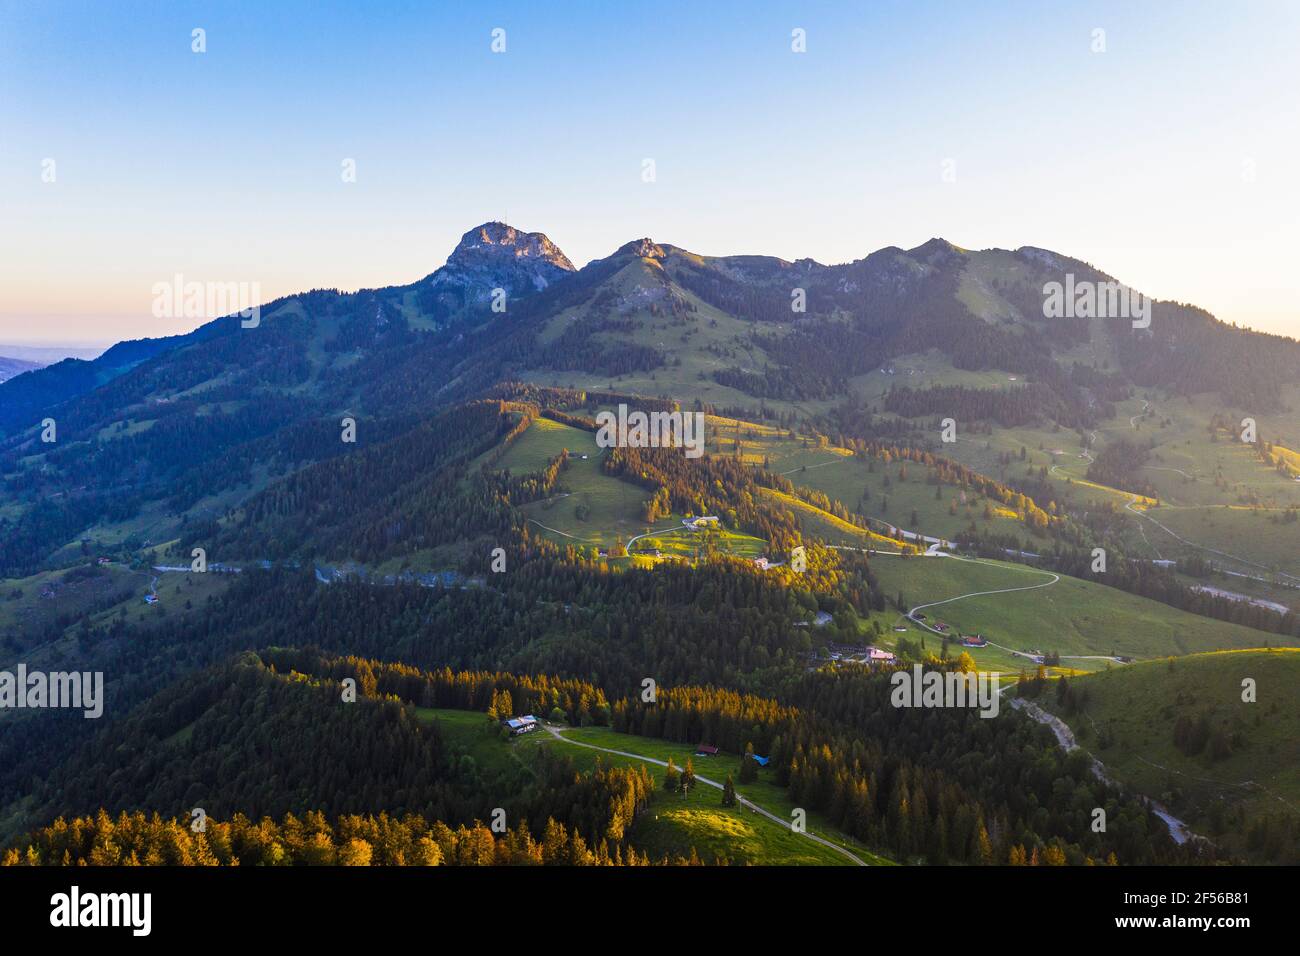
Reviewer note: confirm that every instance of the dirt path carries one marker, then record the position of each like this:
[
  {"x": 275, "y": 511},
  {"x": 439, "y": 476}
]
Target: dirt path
[
  {"x": 1087, "y": 450},
  {"x": 711, "y": 783},
  {"x": 823, "y": 464},
  {"x": 558, "y": 531},
  {"x": 1191, "y": 544},
  {"x": 1244, "y": 785},
  {"x": 1030, "y": 587},
  {"x": 1064, "y": 657},
  {"x": 650, "y": 534},
  {"x": 1134, "y": 499}
]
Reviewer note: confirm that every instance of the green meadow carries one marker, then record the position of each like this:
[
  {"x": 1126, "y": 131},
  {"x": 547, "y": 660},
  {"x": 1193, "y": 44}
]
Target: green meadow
[
  {"x": 672, "y": 824},
  {"x": 764, "y": 792},
  {"x": 1072, "y": 616},
  {"x": 1221, "y": 789}
]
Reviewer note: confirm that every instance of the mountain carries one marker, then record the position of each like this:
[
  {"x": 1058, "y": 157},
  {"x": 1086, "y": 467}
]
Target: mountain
[
  {"x": 187, "y": 426},
  {"x": 11, "y": 367},
  {"x": 43, "y": 355},
  {"x": 488, "y": 257},
  {"x": 48, "y": 386},
  {"x": 729, "y": 330},
  {"x": 404, "y": 486}
]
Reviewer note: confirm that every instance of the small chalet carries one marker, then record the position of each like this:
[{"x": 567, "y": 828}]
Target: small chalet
[
  {"x": 706, "y": 750},
  {"x": 702, "y": 522},
  {"x": 520, "y": 725}
]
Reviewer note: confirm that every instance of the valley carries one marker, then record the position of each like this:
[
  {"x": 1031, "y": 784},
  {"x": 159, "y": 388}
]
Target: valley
[{"x": 402, "y": 486}]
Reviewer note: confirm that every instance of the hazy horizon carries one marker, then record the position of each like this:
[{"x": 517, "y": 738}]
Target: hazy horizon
[
  {"x": 147, "y": 326},
  {"x": 1163, "y": 160}
]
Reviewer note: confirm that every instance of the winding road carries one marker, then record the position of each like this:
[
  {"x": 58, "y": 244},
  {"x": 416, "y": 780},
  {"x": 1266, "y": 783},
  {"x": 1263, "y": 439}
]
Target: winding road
[
  {"x": 653, "y": 533},
  {"x": 1134, "y": 499},
  {"x": 1031, "y": 587}
]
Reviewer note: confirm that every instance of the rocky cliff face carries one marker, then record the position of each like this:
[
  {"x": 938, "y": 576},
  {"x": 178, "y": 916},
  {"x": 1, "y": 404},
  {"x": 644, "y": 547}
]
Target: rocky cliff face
[{"x": 496, "y": 256}]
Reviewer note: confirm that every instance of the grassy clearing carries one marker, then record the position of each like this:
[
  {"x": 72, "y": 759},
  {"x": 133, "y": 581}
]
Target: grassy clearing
[
  {"x": 1253, "y": 534},
  {"x": 593, "y": 509},
  {"x": 47, "y": 607},
  {"x": 924, "y": 370},
  {"x": 817, "y": 523},
  {"x": 890, "y": 494},
  {"x": 765, "y": 792},
  {"x": 175, "y": 590},
  {"x": 1073, "y": 616},
  {"x": 471, "y": 732},
  {"x": 590, "y": 507},
  {"x": 29, "y": 606},
  {"x": 777, "y": 449},
  {"x": 682, "y": 542},
  {"x": 1137, "y": 708},
  {"x": 1214, "y": 492},
  {"x": 542, "y": 441},
  {"x": 869, "y": 489},
  {"x": 672, "y": 825},
  {"x": 908, "y": 501}
]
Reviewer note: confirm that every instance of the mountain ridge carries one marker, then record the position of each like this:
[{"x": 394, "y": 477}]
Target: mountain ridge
[{"x": 982, "y": 308}]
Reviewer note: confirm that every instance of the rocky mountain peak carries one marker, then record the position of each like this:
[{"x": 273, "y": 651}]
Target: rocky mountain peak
[
  {"x": 490, "y": 257},
  {"x": 496, "y": 241},
  {"x": 645, "y": 248}
]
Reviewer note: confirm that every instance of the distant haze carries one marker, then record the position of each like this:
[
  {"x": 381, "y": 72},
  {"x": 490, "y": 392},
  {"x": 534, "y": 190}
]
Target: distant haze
[{"x": 48, "y": 354}]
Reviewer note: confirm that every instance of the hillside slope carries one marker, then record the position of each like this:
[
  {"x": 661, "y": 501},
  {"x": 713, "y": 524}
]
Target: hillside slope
[{"x": 1181, "y": 732}]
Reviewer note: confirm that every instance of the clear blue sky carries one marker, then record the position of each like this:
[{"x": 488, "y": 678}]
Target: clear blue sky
[{"x": 1169, "y": 160}]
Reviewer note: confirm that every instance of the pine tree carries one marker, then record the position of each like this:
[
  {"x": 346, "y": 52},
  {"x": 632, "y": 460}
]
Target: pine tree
[
  {"x": 688, "y": 777},
  {"x": 728, "y": 792},
  {"x": 672, "y": 778}
]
